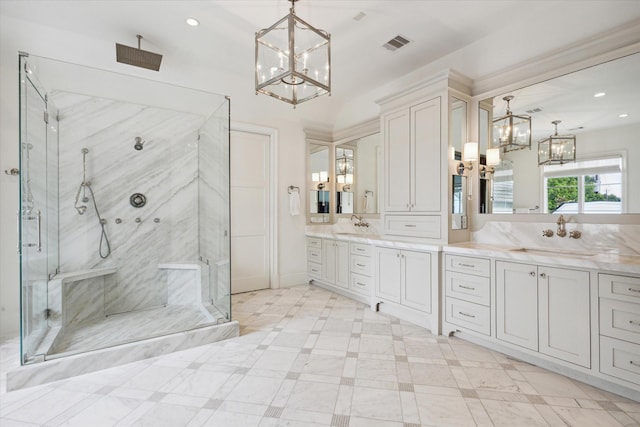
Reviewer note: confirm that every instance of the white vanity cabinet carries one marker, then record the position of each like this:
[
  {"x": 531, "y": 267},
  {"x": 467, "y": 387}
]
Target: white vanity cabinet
[
  {"x": 404, "y": 277},
  {"x": 413, "y": 169},
  {"x": 361, "y": 268},
  {"x": 467, "y": 287},
  {"x": 545, "y": 309},
  {"x": 619, "y": 307},
  {"x": 314, "y": 257},
  {"x": 335, "y": 267}
]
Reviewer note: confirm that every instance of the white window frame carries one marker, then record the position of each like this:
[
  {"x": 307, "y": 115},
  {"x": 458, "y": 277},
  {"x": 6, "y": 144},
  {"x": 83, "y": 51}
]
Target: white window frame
[{"x": 570, "y": 169}]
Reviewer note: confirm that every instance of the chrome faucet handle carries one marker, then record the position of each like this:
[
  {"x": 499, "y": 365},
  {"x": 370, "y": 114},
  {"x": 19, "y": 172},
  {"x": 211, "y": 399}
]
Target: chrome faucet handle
[
  {"x": 547, "y": 233},
  {"x": 575, "y": 234}
]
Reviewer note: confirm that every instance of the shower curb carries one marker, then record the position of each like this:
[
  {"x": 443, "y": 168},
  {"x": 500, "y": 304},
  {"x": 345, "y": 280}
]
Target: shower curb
[{"x": 84, "y": 363}]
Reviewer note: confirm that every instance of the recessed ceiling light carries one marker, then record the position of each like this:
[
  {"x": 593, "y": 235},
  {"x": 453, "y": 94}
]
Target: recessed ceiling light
[
  {"x": 599, "y": 95},
  {"x": 193, "y": 22},
  {"x": 623, "y": 115}
]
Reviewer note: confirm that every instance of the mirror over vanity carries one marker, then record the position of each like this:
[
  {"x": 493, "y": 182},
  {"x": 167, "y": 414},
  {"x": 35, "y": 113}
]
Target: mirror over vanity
[
  {"x": 584, "y": 132},
  {"x": 343, "y": 177}
]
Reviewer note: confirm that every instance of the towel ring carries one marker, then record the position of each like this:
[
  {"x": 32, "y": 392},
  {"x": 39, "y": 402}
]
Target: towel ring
[{"x": 293, "y": 188}]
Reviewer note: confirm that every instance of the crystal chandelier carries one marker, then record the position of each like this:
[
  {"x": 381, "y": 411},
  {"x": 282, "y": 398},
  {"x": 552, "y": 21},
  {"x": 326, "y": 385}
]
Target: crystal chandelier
[
  {"x": 511, "y": 132},
  {"x": 293, "y": 60},
  {"x": 557, "y": 149}
]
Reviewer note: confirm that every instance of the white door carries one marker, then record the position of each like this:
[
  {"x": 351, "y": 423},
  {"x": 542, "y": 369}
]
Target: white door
[
  {"x": 329, "y": 266},
  {"x": 342, "y": 264},
  {"x": 425, "y": 159},
  {"x": 250, "y": 239},
  {"x": 388, "y": 274},
  {"x": 397, "y": 152}
]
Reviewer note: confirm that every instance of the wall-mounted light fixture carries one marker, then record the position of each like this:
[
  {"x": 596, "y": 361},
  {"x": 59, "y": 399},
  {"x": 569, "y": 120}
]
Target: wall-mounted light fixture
[
  {"x": 320, "y": 177},
  {"x": 469, "y": 155}
]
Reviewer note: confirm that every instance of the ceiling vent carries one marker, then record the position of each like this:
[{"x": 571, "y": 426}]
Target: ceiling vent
[
  {"x": 396, "y": 43},
  {"x": 534, "y": 110}
]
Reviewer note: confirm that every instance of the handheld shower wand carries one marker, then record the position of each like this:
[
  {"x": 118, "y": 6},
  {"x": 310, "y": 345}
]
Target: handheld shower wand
[{"x": 82, "y": 208}]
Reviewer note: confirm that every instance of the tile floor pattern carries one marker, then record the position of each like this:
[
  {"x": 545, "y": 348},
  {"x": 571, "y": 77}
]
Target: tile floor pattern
[{"x": 308, "y": 357}]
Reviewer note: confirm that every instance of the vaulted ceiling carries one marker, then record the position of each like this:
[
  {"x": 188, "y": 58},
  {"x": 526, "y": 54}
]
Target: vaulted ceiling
[{"x": 476, "y": 37}]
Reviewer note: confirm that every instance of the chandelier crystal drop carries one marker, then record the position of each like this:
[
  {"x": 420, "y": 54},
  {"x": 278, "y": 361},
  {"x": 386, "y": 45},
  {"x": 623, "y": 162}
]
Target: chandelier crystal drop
[{"x": 293, "y": 60}]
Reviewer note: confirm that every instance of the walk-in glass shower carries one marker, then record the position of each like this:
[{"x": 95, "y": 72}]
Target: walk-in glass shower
[{"x": 123, "y": 228}]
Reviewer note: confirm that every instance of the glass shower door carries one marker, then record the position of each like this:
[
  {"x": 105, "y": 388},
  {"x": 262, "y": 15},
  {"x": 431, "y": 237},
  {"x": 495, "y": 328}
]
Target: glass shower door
[{"x": 32, "y": 224}]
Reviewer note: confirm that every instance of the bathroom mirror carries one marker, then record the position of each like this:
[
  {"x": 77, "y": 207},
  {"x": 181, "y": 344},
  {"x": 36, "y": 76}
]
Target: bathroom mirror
[
  {"x": 459, "y": 183},
  {"x": 356, "y": 170},
  {"x": 599, "y": 106},
  {"x": 319, "y": 183}
]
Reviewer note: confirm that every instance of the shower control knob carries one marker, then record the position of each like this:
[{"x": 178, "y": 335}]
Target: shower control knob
[
  {"x": 138, "y": 220},
  {"x": 156, "y": 220},
  {"x": 118, "y": 221},
  {"x": 138, "y": 200}
]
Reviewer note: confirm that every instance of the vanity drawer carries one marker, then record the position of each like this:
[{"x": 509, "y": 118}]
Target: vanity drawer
[
  {"x": 467, "y": 287},
  {"x": 620, "y": 319},
  {"x": 360, "y": 284},
  {"x": 469, "y": 265},
  {"x": 619, "y": 287},
  {"x": 620, "y": 359},
  {"x": 360, "y": 249},
  {"x": 361, "y": 264},
  {"x": 314, "y": 255},
  {"x": 314, "y": 270},
  {"x": 471, "y": 316},
  {"x": 314, "y": 242},
  {"x": 413, "y": 225}
]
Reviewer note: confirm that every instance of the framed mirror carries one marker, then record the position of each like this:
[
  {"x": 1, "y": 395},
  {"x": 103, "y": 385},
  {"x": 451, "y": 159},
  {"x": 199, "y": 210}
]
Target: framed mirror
[
  {"x": 598, "y": 117},
  {"x": 459, "y": 182},
  {"x": 319, "y": 182},
  {"x": 356, "y": 170}
]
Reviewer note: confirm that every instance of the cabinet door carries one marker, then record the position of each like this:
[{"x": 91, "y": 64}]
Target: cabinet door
[
  {"x": 397, "y": 155},
  {"x": 416, "y": 280},
  {"x": 329, "y": 266},
  {"x": 426, "y": 157},
  {"x": 388, "y": 277},
  {"x": 517, "y": 304},
  {"x": 564, "y": 297},
  {"x": 342, "y": 264}
]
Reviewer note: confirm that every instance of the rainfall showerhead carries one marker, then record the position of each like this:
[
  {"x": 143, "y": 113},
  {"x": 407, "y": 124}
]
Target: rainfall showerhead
[{"x": 138, "y": 57}]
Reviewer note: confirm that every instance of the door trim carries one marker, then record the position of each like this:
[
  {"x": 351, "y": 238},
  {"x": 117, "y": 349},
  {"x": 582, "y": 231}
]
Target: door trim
[{"x": 274, "y": 276}]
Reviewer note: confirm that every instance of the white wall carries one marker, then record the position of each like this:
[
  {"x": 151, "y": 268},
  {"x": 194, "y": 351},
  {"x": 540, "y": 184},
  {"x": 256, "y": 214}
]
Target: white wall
[{"x": 16, "y": 35}]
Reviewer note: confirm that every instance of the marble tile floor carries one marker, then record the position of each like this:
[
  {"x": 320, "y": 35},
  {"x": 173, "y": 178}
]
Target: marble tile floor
[
  {"x": 308, "y": 357},
  {"x": 129, "y": 327}
]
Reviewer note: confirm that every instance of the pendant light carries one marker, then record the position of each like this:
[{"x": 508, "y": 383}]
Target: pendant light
[
  {"x": 557, "y": 149},
  {"x": 293, "y": 60},
  {"x": 511, "y": 132}
]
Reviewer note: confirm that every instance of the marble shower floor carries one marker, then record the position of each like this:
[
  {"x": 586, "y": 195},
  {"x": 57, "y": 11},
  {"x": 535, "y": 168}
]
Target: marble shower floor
[
  {"x": 128, "y": 327},
  {"x": 307, "y": 357}
]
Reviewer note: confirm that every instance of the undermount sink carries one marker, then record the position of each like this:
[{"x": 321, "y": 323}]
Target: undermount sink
[{"x": 554, "y": 252}]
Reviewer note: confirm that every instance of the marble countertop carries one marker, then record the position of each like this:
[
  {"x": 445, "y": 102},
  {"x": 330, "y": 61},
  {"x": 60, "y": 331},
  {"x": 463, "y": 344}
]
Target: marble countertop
[
  {"x": 378, "y": 239},
  {"x": 610, "y": 260}
]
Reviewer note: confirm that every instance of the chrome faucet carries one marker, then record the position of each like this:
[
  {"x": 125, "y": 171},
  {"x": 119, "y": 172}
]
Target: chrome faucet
[
  {"x": 561, "y": 229},
  {"x": 361, "y": 222}
]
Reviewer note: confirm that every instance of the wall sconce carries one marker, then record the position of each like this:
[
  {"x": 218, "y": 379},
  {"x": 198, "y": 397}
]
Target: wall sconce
[
  {"x": 320, "y": 177},
  {"x": 469, "y": 155},
  {"x": 493, "y": 156}
]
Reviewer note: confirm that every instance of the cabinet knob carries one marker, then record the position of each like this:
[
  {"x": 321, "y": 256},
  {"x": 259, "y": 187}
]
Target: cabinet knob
[
  {"x": 532, "y": 274},
  {"x": 543, "y": 275}
]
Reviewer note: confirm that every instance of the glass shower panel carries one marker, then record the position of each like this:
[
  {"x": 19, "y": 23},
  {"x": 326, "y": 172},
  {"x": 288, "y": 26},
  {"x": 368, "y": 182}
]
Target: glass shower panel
[
  {"x": 213, "y": 203},
  {"x": 33, "y": 213}
]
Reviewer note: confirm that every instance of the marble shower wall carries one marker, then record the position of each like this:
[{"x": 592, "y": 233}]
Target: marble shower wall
[{"x": 165, "y": 171}]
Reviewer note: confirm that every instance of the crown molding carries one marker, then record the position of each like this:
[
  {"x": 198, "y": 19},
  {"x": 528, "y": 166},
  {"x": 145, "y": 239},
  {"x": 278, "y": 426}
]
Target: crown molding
[
  {"x": 357, "y": 131},
  {"x": 622, "y": 41}
]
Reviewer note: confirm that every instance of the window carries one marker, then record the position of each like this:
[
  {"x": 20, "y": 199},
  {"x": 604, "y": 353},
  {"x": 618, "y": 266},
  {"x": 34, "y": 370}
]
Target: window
[{"x": 587, "y": 186}]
